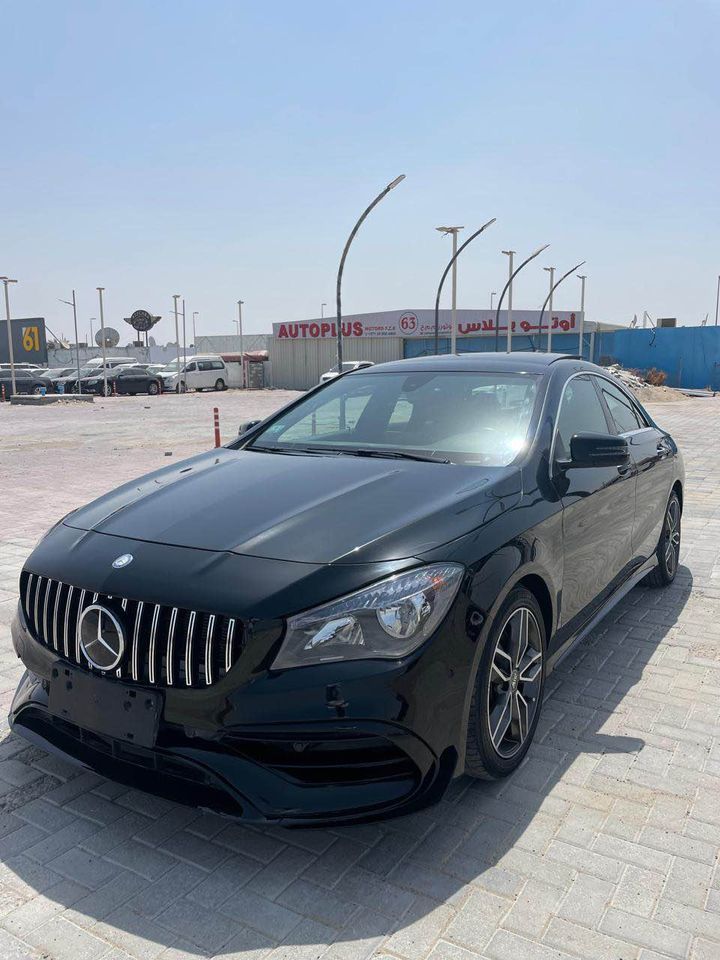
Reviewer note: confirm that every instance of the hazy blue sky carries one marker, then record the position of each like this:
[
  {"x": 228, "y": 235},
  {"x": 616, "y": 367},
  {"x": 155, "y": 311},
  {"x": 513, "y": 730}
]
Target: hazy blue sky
[{"x": 223, "y": 149}]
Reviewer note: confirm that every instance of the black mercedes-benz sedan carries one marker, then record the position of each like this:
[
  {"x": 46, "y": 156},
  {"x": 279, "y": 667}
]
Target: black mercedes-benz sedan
[{"x": 358, "y": 599}]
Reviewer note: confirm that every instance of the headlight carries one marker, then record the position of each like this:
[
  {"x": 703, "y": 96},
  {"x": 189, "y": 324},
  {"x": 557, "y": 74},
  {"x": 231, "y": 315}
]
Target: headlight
[{"x": 387, "y": 621}]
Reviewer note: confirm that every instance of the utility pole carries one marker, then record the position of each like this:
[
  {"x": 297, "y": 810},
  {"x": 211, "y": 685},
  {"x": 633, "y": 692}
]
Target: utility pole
[
  {"x": 453, "y": 323},
  {"x": 582, "y": 313},
  {"x": 511, "y": 255},
  {"x": 341, "y": 267},
  {"x": 184, "y": 341},
  {"x": 71, "y": 303},
  {"x": 240, "y": 334},
  {"x": 176, "y": 297},
  {"x": 102, "y": 339},
  {"x": 551, "y": 271},
  {"x": 11, "y": 356},
  {"x": 195, "y": 314}
]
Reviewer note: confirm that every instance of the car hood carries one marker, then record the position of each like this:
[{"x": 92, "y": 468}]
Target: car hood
[{"x": 314, "y": 509}]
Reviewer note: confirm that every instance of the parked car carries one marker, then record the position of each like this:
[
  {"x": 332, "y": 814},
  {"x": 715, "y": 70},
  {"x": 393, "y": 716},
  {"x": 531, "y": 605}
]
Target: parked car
[
  {"x": 358, "y": 599},
  {"x": 196, "y": 373},
  {"x": 53, "y": 372},
  {"x": 124, "y": 380},
  {"x": 346, "y": 367},
  {"x": 26, "y": 381},
  {"x": 21, "y": 366}
]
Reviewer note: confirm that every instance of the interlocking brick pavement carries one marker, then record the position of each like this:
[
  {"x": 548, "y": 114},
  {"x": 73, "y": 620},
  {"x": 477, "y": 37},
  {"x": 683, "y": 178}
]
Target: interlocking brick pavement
[{"x": 603, "y": 845}]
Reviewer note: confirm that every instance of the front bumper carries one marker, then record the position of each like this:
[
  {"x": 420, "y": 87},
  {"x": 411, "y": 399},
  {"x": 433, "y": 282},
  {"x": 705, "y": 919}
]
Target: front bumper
[{"x": 326, "y": 765}]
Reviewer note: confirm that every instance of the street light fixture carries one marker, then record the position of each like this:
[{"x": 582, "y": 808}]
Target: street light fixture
[
  {"x": 445, "y": 273},
  {"x": 548, "y": 298},
  {"x": 176, "y": 297},
  {"x": 341, "y": 267},
  {"x": 551, "y": 271},
  {"x": 453, "y": 323},
  {"x": 510, "y": 254},
  {"x": 582, "y": 279},
  {"x": 507, "y": 286},
  {"x": 11, "y": 356},
  {"x": 100, "y": 291},
  {"x": 71, "y": 303},
  {"x": 240, "y": 334}
]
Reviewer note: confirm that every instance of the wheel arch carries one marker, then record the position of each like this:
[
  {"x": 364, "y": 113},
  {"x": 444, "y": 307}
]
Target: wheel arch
[
  {"x": 677, "y": 488},
  {"x": 538, "y": 581}
]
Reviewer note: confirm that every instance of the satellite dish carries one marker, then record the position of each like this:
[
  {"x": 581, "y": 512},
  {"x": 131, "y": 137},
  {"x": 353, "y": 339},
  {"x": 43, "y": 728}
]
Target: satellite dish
[{"x": 107, "y": 336}]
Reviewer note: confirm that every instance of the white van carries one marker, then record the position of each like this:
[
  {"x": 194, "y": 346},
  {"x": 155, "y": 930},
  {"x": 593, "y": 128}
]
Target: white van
[{"x": 204, "y": 372}]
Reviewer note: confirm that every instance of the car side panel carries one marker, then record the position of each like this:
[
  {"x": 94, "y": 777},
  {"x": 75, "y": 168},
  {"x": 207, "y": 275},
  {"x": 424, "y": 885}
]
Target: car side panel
[{"x": 653, "y": 452}]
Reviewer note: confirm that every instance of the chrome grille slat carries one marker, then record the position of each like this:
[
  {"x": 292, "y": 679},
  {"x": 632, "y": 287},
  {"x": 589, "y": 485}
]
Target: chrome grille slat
[
  {"x": 188, "y": 650},
  {"x": 36, "y": 618},
  {"x": 45, "y": 609},
  {"x": 66, "y": 633},
  {"x": 151, "y": 651},
  {"x": 28, "y": 591},
  {"x": 208, "y": 649},
  {"x": 171, "y": 639},
  {"x": 166, "y": 646},
  {"x": 136, "y": 640},
  {"x": 81, "y": 602},
  {"x": 229, "y": 644}
]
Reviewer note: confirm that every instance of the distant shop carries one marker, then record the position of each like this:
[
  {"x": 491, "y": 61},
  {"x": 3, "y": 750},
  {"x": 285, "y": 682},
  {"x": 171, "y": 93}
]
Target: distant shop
[{"x": 301, "y": 351}]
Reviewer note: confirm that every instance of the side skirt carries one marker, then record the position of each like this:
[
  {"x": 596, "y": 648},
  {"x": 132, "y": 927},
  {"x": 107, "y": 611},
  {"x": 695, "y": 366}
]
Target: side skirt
[{"x": 611, "y": 602}]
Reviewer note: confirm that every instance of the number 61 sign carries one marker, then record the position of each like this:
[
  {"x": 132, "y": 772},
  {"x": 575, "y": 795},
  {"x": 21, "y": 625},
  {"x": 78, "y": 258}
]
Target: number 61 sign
[{"x": 30, "y": 339}]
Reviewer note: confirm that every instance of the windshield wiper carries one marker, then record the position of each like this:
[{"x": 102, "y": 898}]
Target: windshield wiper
[{"x": 395, "y": 455}]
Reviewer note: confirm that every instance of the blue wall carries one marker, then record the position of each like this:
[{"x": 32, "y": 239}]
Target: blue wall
[{"x": 690, "y": 356}]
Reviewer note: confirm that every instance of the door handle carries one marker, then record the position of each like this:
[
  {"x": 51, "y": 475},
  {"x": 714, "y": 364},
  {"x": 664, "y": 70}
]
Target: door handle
[{"x": 663, "y": 449}]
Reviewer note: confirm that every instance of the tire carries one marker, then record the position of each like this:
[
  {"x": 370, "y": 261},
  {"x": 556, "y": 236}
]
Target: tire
[
  {"x": 505, "y": 708},
  {"x": 153, "y": 389},
  {"x": 668, "y": 549},
  {"x": 219, "y": 384},
  {"x": 37, "y": 391}
]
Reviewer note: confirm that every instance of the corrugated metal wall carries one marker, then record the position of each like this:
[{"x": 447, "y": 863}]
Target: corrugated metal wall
[{"x": 299, "y": 364}]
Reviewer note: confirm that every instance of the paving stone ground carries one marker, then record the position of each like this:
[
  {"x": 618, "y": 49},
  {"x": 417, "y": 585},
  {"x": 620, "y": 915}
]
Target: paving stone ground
[{"x": 603, "y": 845}]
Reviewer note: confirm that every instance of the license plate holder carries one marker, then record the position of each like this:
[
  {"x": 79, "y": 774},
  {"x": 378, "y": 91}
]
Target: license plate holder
[{"x": 106, "y": 707}]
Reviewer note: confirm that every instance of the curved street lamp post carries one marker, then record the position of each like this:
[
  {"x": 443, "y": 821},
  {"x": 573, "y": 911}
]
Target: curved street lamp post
[
  {"x": 548, "y": 299},
  {"x": 512, "y": 276},
  {"x": 445, "y": 273},
  {"x": 341, "y": 267},
  {"x": 11, "y": 357},
  {"x": 582, "y": 311},
  {"x": 72, "y": 303}
]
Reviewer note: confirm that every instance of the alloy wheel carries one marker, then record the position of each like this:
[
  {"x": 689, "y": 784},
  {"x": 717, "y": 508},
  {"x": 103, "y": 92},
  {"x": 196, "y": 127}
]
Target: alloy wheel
[
  {"x": 515, "y": 682},
  {"x": 672, "y": 537}
]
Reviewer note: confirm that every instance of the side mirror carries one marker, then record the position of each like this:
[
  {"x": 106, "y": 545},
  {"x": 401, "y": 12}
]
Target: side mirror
[
  {"x": 597, "y": 450},
  {"x": 247, "y": 425}
]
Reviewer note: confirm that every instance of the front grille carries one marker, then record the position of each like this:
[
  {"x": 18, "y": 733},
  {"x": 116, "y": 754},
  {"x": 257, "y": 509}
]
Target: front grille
[{"x": 164, "y": 646}]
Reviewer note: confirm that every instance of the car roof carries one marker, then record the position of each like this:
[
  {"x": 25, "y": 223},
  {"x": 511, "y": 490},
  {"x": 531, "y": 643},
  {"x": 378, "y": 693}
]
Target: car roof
[{"x": 516, "y": 362}]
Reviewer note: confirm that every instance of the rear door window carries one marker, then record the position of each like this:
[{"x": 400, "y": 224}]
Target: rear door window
[{"x": 622, "y": 410}]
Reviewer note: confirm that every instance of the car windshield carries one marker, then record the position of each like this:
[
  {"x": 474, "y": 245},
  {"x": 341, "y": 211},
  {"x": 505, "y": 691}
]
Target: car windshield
[{"x": 468, "y": 417}]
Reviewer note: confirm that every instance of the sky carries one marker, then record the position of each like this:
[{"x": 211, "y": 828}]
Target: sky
[{"x": 223, "y": 150}]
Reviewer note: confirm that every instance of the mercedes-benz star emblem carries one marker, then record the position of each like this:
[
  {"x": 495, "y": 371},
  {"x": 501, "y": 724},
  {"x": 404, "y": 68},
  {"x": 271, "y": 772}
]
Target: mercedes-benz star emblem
[
  {"x": 122, "y": 561},
  {"x": 101, "y": 637}
]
